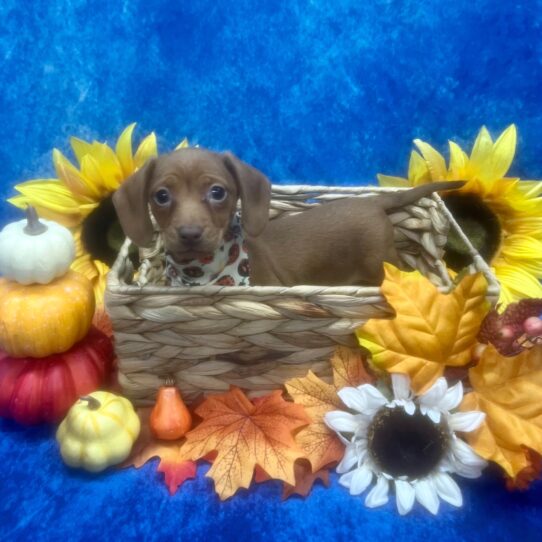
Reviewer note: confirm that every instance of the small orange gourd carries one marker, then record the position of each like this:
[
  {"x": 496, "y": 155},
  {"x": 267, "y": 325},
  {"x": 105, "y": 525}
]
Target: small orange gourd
[{"x": 170, "y": 418}]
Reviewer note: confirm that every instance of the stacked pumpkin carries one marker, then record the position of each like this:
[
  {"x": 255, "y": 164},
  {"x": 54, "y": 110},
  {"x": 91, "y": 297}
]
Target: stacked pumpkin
[{"x": 50, "y": 354}]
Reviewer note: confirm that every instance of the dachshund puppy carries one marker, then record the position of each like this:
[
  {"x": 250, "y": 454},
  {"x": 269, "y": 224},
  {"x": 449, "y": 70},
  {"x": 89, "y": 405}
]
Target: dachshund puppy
[{"x": 193, "y": 193}]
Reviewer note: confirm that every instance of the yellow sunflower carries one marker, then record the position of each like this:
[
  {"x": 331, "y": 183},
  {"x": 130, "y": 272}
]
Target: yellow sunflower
[
  {"x": 79, "y": 191},
  {"x": 501, "y": 215}
]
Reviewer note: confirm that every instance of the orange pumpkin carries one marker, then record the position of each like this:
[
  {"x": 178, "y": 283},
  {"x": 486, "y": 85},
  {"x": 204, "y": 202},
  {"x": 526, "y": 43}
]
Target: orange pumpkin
[
  {"x": 170, "y": 419},
  {"x": 38, "y": 320}
]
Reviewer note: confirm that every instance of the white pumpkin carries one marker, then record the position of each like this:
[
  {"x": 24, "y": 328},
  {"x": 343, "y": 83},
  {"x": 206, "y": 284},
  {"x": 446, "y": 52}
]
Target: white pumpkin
[{"x": 34, "y": 251}]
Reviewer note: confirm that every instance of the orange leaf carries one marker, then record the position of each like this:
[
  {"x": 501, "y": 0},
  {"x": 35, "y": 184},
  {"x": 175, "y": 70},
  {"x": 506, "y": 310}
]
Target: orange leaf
[
  {"x": 304, "y": 479},
  {"x": 508, "y": 390},
  {"x": 174, "y": 463},
  {"x": 245, "y": 435},
  {"x": 320, "y": 444},
  {"x": 431, "y": 330}
]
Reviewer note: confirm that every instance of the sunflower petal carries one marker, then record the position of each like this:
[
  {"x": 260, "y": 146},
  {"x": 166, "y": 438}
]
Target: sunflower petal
[
  {"x": 418, "y": 170},
  {"x": 379, "y": 494},
  {"x": 516, "y": 284},
  {"x": 447, "y": 489},
  {"x": 72, "y": 178},
  {"x": 434, "y": 160},
  {"x": 426, "y": 495},
  {"x": 361, "y": 479},
  {"x": 183, "y": 144},
  {"x": 480, "y": 158},
  {"x": 108, "y": 162},
  {"x": 124, "y": 150},
  {"x": 147, "y": 149},
  {"x": 80, "y": 148},
  {"x": 91, "y": 170},
  {"x": 531, "y": 189},
  {"x": 405, "y": 495},
  {"x": 52, "y": 194},
  {"x": 503, "y": 152},
  {"x": 68, "y": 219},
  {"x": 387, "y": 180},
  {"x": 458, "y": 161}
]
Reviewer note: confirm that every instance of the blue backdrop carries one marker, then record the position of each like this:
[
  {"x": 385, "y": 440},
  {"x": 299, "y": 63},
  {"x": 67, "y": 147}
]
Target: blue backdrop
[{"x": 317, "y": 91}]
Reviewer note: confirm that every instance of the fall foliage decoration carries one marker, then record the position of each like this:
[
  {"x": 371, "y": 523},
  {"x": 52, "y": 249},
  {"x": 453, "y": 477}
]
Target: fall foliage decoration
[
  {"x": 519, "y": 327},
  {"x": 38, "y": 320},
  {"x": 431, "y": 330},
  {"x": 173, "y": 462},
  {"x": 321, "y": 445},
  {"x": 42, "y": 390},
  {"x": 34, "y": 251},
  {"x": 508, "y": 390},
  {"x": 245, "y": 434},
  {"x": 170, "y": 418},
  {"x": 99, "y": 430}
]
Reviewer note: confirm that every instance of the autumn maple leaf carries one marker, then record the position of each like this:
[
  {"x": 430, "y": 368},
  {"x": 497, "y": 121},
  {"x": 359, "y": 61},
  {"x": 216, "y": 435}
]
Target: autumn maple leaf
[
  {"x": 431, "y": 330},
  {"x": 245, "y": 434},
  {"x": 174, "y": 463},
  {"x": 320, "y": 444},
  {"x": 508, "y": 390}
]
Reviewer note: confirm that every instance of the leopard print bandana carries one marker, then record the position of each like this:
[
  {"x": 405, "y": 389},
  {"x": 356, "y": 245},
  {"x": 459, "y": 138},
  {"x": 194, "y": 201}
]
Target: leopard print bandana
[{"x": 227, "y": 267}]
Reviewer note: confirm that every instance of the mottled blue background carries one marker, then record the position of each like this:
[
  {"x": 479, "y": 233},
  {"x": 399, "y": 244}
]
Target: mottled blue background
[
  {"x": 330, "y": 92},
  {"x": 320, "y": 91}
]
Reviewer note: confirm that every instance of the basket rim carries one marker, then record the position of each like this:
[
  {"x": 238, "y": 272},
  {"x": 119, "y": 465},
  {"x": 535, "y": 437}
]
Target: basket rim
[{"x": 115, "y": 286}]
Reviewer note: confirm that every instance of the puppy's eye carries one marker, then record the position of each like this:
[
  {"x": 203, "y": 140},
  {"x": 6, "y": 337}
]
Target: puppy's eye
[
  {"x": 162, "y": 196},
  {"x": 217, "y": 193}
]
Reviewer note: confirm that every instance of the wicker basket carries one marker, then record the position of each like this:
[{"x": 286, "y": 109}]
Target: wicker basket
[{"x": 210, "y": 337}]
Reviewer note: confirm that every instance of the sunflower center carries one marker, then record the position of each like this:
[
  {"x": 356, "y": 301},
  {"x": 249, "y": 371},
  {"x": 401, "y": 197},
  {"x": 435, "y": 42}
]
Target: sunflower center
[
  {"x": 479, "y": 223},
  {"x": 101, "y": 233},
  {"x": 406, "y": 445}
]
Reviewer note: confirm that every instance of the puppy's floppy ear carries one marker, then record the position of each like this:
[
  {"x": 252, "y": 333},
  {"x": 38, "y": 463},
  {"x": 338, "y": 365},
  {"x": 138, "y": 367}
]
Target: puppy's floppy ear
[
  {"x": 131, "y": 204},
  {"x": 255, "y": 193}
]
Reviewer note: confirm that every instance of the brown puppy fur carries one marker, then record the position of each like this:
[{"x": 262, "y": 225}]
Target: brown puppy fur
[{"x": 339, "y": 243}]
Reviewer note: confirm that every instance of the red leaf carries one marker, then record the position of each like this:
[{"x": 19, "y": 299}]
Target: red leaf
[{"x": 175, "y": 474}]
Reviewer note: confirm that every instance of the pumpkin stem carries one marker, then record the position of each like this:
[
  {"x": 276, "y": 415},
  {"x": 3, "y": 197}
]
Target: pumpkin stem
[
  {"x": 93, "y": 403},
  {"x": 34, "y": 226}
]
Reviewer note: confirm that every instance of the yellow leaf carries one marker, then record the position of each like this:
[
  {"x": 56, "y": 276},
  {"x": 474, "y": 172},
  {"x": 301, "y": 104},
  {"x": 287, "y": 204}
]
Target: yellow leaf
[
  {"x": 321, "y": 445},
  {"x": 124, "y": 150},
  {"x": 431, "y": 330},
  {"x": 508, "y": 390}
]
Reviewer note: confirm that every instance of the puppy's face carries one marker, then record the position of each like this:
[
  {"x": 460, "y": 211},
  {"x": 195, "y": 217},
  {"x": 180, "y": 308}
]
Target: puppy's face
[
  {"x": 192, "y": 193},
  {"x": 193, "y": 199}
]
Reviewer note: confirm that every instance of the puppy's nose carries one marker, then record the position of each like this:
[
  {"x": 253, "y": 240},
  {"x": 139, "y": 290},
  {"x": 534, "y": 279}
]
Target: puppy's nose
[{"x": 190, "y": 234}]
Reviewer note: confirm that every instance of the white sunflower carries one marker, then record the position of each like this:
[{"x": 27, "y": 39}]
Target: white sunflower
[{"x": 409, "y": 442}]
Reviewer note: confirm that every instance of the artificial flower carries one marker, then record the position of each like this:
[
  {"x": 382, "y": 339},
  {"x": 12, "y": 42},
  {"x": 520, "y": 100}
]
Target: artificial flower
[
  {"x": 501, "y": 215},
  {"x": 78, "y": 192},
  {"x": 408, "y": 442}
]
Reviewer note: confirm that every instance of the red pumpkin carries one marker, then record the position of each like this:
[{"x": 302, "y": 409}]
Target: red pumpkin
[{"x": 34, "y": 390}]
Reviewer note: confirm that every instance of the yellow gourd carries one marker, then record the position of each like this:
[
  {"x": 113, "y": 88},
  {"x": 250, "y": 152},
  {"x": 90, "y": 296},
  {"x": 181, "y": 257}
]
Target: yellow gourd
[
  {"x": 38, "y": 320},
  {"x": 99, "y": 431}
]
